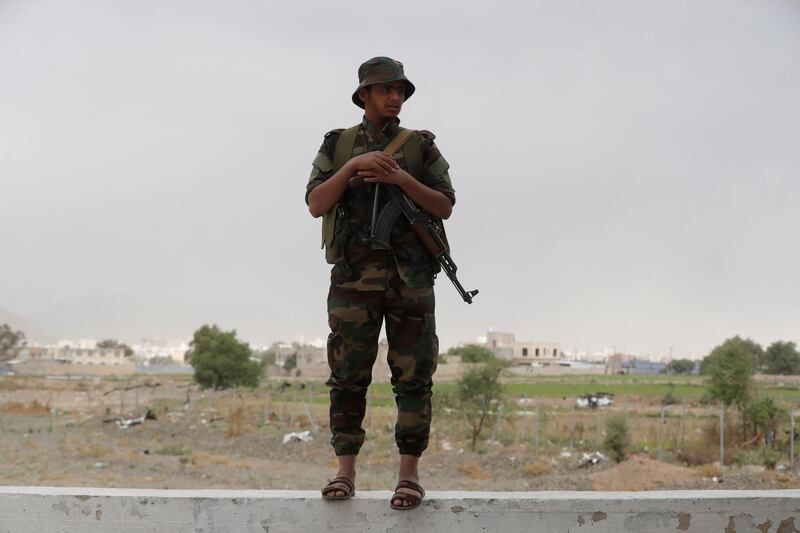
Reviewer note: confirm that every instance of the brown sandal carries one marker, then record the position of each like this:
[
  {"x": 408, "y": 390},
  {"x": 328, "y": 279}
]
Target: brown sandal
[
  {"x": 340, "y": 483},
  {"x": 405, "y": 497}
]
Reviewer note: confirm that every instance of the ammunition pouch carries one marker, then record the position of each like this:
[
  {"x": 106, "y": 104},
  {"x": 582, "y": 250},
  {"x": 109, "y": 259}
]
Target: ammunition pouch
[{"x": 334, "y": 235}]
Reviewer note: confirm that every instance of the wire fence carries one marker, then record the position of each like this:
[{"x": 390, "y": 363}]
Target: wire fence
[{"x": 687, "y": 431}]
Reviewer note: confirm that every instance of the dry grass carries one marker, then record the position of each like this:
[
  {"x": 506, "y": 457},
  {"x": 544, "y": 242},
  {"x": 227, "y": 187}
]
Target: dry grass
[
  {"x": 12, "y": 384},
  {"x": 698, "y": 454},
  {"x": 94, "y": 451},
  {"x": 19, "y": 408},
  {"x": 235, "y": 422},
  {"x": 473, "y": 470},
  {"x": 539, "y": 468},
  {"x": 199, "y": 458},
  {"x": 709, "y": 470}
]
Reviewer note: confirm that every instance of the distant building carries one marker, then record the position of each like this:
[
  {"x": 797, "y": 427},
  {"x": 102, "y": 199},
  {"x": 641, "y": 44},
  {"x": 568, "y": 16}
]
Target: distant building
[
  {"x": 643, "y": 367},
  {"x": 64, "y": 359},
  {"x": 149, "y": 349},
  {"x": 78, "y": 356},
  {"x": 619, "y": 363},
  {"x": 505, "y": 346},
  {"x": 307, "y": 354}
]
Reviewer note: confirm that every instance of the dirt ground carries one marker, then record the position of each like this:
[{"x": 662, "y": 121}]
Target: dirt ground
[{"x": 64, "y": 433}]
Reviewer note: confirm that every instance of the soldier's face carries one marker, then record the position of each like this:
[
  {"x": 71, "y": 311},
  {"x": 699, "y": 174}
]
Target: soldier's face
[{"x": 384, "y": 100}]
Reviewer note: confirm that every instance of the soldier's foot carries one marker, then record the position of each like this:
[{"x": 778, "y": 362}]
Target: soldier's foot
[
  {"x": 347, "y": 470},
  {"x": 408, "y": 492},
  {"x": 351, "y": 475}
]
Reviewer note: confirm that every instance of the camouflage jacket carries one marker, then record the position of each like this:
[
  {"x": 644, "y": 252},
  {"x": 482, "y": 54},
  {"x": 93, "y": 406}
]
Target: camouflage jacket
[{"x": 364, "y": 268}]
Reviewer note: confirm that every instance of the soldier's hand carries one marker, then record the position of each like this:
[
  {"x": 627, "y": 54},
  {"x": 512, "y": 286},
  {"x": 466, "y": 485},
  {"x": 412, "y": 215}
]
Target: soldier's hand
[
  {"x": 377, "y": 162},
  {"x": 396, "y": 177}
]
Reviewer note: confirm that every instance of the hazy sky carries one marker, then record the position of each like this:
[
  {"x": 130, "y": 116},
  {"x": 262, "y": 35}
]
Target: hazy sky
[{"x": 626, "y": 171}]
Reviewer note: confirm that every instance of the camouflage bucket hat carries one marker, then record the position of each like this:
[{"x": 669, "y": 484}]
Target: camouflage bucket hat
[{"x": 380, "y": 70}]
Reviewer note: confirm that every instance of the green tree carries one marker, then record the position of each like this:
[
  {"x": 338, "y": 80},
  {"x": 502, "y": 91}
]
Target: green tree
[
  {"x": 291, "y": 362},
  {"x": 477, "y": 390},
  {"x": 220, "y": 360},
  {"x": 679, "y": 366},
  {"x": 114, "y": 343},
  {"x": 162, "y": 360},
  {"x": 782, "y": 358},
  {"x": 267, "y": 357},
  {"x": 730, "y": 368},
  {"x": 472, "y": 353},
  {"x": 617, "y": 440},
  {"x": 10, "y": 342},
  {"x": 757, "y": 351},
  {"x": 751, "y": 346}
]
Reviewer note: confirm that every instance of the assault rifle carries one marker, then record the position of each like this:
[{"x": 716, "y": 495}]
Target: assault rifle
[{"x": 429, "y": 233}]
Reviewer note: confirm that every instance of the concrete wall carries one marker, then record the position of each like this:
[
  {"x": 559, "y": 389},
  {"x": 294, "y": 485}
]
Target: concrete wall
[{"x": 87, "y": 510}]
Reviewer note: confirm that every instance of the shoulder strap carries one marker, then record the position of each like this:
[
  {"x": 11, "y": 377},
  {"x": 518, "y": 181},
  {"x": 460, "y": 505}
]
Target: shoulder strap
[
  {"x": 398, "y": 141},
  {"x": 412, "y": 152},
  {"x": 408, "y": 141},
  {"x": 344, "y": 147}
]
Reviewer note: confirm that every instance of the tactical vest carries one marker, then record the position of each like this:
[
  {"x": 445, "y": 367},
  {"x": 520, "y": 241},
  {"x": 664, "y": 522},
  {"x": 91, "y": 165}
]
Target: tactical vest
[{"x": 334, "y": 236}]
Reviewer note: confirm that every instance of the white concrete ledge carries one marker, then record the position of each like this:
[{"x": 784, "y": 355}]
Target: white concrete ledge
[{"x": 91, "y": 510}]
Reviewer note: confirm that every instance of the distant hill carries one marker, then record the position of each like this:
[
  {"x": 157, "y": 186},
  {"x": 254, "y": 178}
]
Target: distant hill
[
  {"x": 31, "y": 331},
  {"x": 132, "y": 318}
]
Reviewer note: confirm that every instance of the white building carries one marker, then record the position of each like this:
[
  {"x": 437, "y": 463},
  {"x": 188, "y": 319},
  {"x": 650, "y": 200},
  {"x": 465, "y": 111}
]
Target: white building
[
  {"x": 78, "y": 356},
  {"x": 505, "y": 346}
]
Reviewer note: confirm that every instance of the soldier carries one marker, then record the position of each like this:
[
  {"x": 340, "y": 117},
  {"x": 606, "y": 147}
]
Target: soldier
[{"x": 370, "y": 285}]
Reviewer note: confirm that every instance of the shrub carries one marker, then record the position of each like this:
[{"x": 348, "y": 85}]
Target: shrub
[
  {"x": 173, "y": 449},
  {"x": 709, "y": 470},
  {"x": 291, "y": 362},
  {"x": 762, "y": 415},
  {"x": 617, "y": 440},
  {"x": 477, "y": 392},
  {"x": 670, "y": 398},
  {"x": 764, "y": 456}
]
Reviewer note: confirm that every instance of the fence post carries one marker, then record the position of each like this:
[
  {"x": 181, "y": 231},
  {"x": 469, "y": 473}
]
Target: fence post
[
  {"x": 791, "y": 447},
  {"x": 660, "y": 435},
  {"x": 497, "y": 422},
  {"x": 683, "y": 428},
  {"x": 538, "y": 426},
  {"x": 596, "y": 431},
  {"x": 291, "y": 410},
  {"x": 311, "y": 420},
  {"x": 524, "y": 424},
  {"x": 121, "y": 402},
  {"x": 721, "y": 434},
  {"x": 572, "y": 428}
]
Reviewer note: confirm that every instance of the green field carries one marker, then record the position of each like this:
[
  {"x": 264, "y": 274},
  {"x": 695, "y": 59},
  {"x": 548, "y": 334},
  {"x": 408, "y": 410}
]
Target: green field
[{"x": 691, "y": 388}]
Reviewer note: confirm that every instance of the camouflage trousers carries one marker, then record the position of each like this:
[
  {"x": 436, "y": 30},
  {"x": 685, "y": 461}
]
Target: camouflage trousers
[{"x": 355, "y": 319}]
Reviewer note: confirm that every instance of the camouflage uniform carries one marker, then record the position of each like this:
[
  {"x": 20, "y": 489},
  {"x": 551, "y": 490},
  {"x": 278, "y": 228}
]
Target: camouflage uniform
[{"x": 372, "y": 285}]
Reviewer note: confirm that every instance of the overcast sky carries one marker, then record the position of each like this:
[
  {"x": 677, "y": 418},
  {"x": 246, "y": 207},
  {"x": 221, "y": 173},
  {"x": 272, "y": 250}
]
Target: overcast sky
[{"x": 626, "y": 171}]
